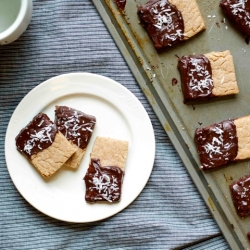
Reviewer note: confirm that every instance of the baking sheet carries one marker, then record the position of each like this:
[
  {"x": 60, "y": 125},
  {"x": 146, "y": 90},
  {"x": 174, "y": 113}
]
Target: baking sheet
[{"x": 154, "y": 73}]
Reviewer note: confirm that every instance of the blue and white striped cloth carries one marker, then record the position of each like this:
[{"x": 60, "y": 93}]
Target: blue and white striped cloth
[{"x": 69, "y": 36}]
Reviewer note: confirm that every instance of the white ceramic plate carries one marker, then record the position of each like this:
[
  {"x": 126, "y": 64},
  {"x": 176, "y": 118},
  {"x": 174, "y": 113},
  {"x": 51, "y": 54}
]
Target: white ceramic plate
[{"x": 119, "y": 115}]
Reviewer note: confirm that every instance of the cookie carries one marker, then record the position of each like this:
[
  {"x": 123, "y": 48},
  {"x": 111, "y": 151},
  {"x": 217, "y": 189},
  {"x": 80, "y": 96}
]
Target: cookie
[
  {"x": 238, "y": 12},
  {"x": 104, "y": 176},
  {"x": 77, "y": 127},
  {"x": 240, "y": 192},
  {"x": 169, "y": 22},
  {"x": 223, "y": 143},
  {"x": 206, "y": 76},
  {"x": 45, "y": 147}
]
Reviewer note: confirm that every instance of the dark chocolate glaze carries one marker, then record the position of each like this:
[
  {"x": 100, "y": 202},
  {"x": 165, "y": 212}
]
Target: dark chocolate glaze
[
  {"x": 38, "y": 135},
  {"x": 121, "y": 4},
  {"x": 75, "y": 125},
  {"x": 103, "y": 183},
  {"x": 163, "y": 22},
  {"x": 248, "y": 235},
  {"x": 217, "y": 145},
  {"x": 174, "y": 81},
  {"x": 240, "y": 191},
  {"x": 196, "y": 77},
  {"x": 238, "y": 12}
]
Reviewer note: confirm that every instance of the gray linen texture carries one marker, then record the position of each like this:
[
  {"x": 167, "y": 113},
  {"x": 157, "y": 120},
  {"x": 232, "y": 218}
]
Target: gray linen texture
[{"x": 69, "y": 36}]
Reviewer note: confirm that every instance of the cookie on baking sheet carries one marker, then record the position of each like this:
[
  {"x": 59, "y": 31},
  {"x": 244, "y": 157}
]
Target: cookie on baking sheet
[
  {"x": 240, "y": 192},
  {"x": 208, "y": 75},
  {"x": 45, "y": 147},
  {"x": 238, "y": 12},
  {"x": 77, "y": 127},
  {"x": 222, "y": 143},
  {"x": 106, "y": 170},
  {"x": 169, "y": 22}
]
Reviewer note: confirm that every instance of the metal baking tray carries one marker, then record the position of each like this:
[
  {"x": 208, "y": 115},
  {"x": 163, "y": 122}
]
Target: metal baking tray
[{"x": 154, "y": 73}]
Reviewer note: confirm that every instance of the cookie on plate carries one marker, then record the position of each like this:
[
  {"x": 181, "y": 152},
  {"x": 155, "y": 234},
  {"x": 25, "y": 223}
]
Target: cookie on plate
[
  {"x": 222, "y": 143},
  {"x": 106, "y": 170},
  {"x": 77, "y": 127},
  {"x": 208, "y": 75},
  {"x": 169, "y": 22},
  {"x": 45, "y": 147}
]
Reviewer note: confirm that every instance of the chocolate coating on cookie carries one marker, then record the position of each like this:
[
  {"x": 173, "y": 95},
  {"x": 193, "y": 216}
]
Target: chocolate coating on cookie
[
  {"x": 103, "y": 183},
  {"x": 240, "y": 191},
  {"x": 196, "y": 77},
  {"x": 38, "y": 135},
  {"x": 217, "y": 145},
  {"x": 163, "y": 22},
  {"x": 75, "y": 125},
  {"x": 120, "y": 4},
  {"x": 238, "y": 12},
  {"x": 248, "y": 235}
]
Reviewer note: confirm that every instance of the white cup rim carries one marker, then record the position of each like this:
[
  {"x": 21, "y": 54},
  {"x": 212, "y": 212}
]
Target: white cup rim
[{"x": 20, "y": 17}]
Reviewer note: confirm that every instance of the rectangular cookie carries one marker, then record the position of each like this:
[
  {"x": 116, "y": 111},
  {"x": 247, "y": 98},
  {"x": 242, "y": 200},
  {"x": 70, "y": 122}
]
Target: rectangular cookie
[
  {"x": 169, "y": 22},
  {"x": 45, "y": 147},
  {"x": 240, "y": 192},
  {"x": 222, "y": 143},
  {"x": 238, "y": 12},
  {"x": 206, "y": 76},
  {"x": 106, "y": 170},
  {"x": 77, "y": 127}
]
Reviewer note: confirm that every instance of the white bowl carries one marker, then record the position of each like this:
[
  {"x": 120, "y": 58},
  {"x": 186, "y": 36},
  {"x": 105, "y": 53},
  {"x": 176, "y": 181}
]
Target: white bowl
[{"x": 19, "y": 25}]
